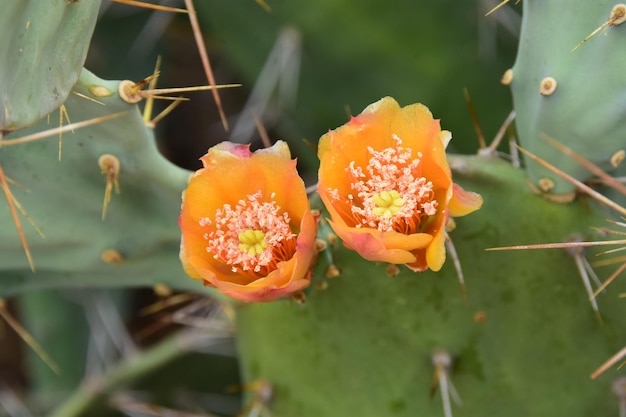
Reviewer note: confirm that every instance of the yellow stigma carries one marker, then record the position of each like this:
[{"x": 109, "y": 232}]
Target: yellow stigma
[
  {"x": 252, "y": 242},
  {"x": 388, "y": 203}
]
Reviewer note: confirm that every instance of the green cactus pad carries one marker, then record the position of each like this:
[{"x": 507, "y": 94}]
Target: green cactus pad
[
  {"x": 523, "y": 344},
  {"x": 65, "y": 199},
  {"x": 43, "y": 50},
  {"x": 586, "y": 112}
]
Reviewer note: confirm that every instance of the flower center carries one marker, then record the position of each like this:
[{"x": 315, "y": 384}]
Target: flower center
[
  {"x": 252, "y": 237},
  {"x": 252, "y": 242},
  {"x": 388, "y": 203},
  {"x": 391, "y": 193}
]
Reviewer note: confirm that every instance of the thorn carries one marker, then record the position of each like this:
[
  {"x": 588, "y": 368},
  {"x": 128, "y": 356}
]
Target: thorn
[
  {"x": 267, "y": 143},
  {"x": 611, "y": 278},
  {"x": 16, "y": 219},
  {"x": 63, "y": 113},
  {"x": 129, "y": 93},
  {"x": 195, "y": 26},
  {"x": 147, "y": 110},
  {"x": 93, "y": 100},
  {"x": 577, "y": 245},
  {"x": 167, "y": 98},
  {"x": 585, "y": 163},
  {"x": 562, "y": 245},
  {"x": 130, "y": 406},
  {"x": 206, "y": 313},
  {"x": 149, "y": 80},
  {"x": 146, "y": 93},
  {"x": 484, "y": 149},
  {"x": 586, "y": 189},
  {"x": 152, "y": 123},
  {"x": 166, "y": 318},
  {"x": 52, "y": 132},
  {"x": 110, "y": 166},
  {"x": 515, "y": 159},
  {"x": 606, "y": 365},
  {"x": 503, "y": 129},
  {"x": 501, "y": 4},
  {"x": 27, "y": 216},
  {"x": 472, "y": 111},
  {"x": 592, "y": 274},
  {"x": 21, "y": 208},
  {"x": 27, "y": 338},
  {"x": 310, "y": 145},
  {"x": 578, "y": 256},
  {"x": 150, "y": 6},
  {"x": 443, "y": 363},
  {"x": 617, "y": 17},
  {"x": 611, "y": 261},
  {"x": 457, "y": 265},
  {"x": 264, "y": 5},
  {"x": 311, "y": 189},
  {"x": 610, "y": 251},
  {"x": 167, "y": 302}
]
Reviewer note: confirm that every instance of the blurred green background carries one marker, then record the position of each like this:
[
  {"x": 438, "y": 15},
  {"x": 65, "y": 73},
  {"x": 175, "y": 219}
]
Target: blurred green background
[{"x": 323, "y": 60}]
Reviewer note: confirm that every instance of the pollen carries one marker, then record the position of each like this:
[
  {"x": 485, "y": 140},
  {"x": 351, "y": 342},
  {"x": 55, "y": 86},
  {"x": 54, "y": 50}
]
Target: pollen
[
  {"x": 252, "y": 242},
  {"x": 251, "y": 237},
  {"x": 390, "y": 193}
]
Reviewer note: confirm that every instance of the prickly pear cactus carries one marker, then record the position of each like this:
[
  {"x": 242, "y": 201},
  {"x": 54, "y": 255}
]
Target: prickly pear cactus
[
  {"x": 519, "y": 338},
  {"x": 569, "y": 90},
  {"x": 43, "y": 50},
  {"x": 526, "y": 339},
  {"x": 136, "y": 243},
  {"x": 523, "y": 343}
]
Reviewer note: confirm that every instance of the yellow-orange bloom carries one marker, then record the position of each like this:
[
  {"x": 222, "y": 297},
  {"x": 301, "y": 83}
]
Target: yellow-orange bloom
[
  {"x": 385, "y": 180},
  {"x": 247, "y": 228}
]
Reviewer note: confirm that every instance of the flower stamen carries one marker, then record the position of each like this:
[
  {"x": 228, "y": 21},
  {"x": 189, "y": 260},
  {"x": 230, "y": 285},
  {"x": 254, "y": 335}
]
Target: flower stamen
[
  {"x": 391, "y": 193},
  {"x": 252, "y": 237}
]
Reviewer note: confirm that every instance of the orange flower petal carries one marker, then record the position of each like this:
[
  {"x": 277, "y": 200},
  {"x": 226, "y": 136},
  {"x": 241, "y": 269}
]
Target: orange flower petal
[
  {"x": 385, "y": 180},
  {"x": 436, "y": 251},
  {"x": 370, "y": 245},
  {"x": 233, "y": 178},
  {"x": 463, "y": 202}
]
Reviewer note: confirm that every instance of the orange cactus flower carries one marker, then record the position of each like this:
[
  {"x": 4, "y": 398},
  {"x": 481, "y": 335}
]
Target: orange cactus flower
[
  {"x": 386, "y": 183},
  {"x": 247, "y": 228}
]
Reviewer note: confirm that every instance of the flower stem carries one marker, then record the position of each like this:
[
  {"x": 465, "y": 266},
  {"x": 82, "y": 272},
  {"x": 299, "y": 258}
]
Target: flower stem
[{"x": 130, "y": 369}]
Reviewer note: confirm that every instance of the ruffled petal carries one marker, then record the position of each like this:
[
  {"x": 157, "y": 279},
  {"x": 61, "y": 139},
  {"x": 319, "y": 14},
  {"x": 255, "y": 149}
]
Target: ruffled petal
[
  {"x": 353, "y": 162},
  {"x": 463, "y": 202},
  {"x": 233, "y": 176}
]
